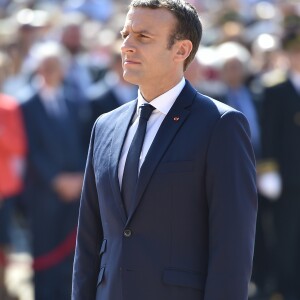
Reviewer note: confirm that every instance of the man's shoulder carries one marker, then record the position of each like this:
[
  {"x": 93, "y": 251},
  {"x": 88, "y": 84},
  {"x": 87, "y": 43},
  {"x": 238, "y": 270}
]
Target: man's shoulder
[
  {"x": 202, "y": 103},
  {"x": 30, "y": 100},
  {"x": 212, "y": 106},
  {"x": 275, "y": 95},
  {"x": 218, "y": 116},
  {"x": 275, "y": 79}
]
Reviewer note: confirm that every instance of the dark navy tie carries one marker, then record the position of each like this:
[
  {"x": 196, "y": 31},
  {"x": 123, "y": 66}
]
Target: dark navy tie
[{"x": 131, "y": 169}]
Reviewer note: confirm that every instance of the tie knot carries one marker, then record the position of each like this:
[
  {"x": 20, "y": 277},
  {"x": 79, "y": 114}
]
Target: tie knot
[{"x": 146, "y": 111}]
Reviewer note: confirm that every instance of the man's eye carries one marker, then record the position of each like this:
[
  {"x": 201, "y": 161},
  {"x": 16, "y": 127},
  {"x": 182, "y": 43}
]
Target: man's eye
[
  {"x": 124, "y": 35},
  {"x": 143, "y": 36}
]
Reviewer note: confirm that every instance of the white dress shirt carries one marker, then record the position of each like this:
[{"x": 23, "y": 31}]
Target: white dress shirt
[
  {"x": 162, "y": 104},
  {"x": 51, "y": 99}
]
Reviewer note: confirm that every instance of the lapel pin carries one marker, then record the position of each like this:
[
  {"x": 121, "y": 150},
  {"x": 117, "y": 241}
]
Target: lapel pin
[{"x": 176, "y": 119}]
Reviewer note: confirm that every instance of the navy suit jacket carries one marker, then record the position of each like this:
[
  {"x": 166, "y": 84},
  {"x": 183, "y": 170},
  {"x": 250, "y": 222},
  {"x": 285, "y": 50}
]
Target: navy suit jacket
[
  {"x": 190, "y": 233},
  {"x": 54, "y": 147}
]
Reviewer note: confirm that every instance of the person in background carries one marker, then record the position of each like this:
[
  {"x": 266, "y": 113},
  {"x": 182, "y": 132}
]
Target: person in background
[
  {"x": 12, "y": 153},
  {"x": 235, "y": 64},
  {"x": 117, "y": 91},
  {"x": 279, "y": 178},
  {"x": 18, "y": 50},
  {"x": 55, "y": 163},
  {"x": 98, "y": 10},
  {"x": 77, "y": 74},
  {"x": 204, "y": 72}
]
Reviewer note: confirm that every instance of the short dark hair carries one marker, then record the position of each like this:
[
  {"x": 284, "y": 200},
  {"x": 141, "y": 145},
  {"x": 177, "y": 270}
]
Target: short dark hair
[{"x": 188, "y": 23}]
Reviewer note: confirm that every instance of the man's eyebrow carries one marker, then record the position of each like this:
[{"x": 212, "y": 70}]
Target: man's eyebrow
[{"x": 142, "y": 31}]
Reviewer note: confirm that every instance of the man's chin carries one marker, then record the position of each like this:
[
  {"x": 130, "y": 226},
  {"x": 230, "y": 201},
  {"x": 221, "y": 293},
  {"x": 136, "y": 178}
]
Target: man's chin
[{"x": 131, "y": 78}]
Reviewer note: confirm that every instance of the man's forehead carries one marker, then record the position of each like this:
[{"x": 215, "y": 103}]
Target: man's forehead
[{"x": 139, "y": 17}]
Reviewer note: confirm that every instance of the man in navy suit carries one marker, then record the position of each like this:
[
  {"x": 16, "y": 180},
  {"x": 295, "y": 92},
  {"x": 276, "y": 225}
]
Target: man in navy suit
[
  {"x": 54, "y": 173},
  {"x": 173, "y": 218}
]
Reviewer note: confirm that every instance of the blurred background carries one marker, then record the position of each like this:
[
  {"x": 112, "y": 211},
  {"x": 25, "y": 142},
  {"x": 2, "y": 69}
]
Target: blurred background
[{"x": 60, "y": 68}]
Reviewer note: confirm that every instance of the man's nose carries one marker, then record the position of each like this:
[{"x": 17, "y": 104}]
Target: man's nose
[{"x": 127, "y": 45}]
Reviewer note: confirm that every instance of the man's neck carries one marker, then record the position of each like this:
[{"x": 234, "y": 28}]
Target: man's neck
[{"x": 150, "y": 93}]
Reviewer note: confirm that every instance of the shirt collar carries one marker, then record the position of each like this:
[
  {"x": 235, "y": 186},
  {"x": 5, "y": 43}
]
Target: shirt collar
[
  {"x": 49, "y": 94},
  {"x": 164, "y": 102}
]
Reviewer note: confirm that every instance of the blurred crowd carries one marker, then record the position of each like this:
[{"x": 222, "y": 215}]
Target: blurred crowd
[{"x": 60, "y": 68}]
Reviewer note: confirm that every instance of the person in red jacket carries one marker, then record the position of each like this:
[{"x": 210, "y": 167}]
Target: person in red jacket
[{"x": 12, "y": 151}]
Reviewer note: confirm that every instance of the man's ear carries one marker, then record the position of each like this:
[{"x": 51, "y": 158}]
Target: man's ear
[{"x": 183, "y": 50}]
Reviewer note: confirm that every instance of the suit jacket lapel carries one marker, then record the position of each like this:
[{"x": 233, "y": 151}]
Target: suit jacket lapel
[
  {"x": 119, "y": 134},
  {"x": 166, "y": 133}
]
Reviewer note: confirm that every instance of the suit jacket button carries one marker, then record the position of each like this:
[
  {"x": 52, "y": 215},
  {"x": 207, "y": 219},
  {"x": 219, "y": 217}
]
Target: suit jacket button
[{"x": 127, "y": 233}]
